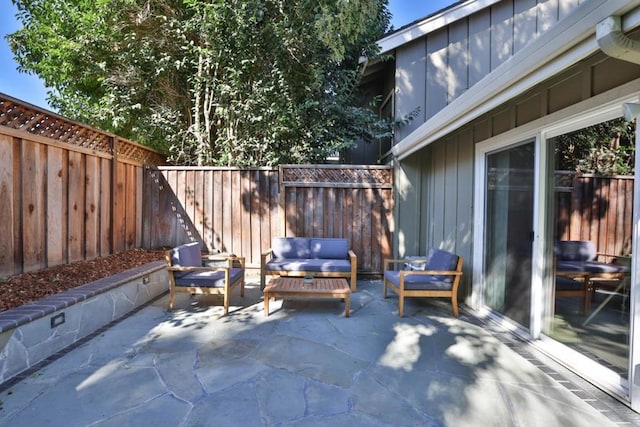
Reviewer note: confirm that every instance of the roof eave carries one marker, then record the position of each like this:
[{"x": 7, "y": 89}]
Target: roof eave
[{"x": 558, "y": 48}]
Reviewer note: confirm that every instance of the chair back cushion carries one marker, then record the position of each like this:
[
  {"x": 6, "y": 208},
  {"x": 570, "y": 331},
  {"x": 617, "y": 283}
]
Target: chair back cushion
[
  {"x": 187, "y": 255},
  {"x": 329, "y": 248},
  {"x": 290, "y": 247},
  {"x": 575, "y": 250},
  {"x": 442, "y": 261}
]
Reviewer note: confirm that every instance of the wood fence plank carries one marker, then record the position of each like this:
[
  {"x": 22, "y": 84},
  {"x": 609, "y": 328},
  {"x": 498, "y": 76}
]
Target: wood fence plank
[
  {"x": 227, "y": 213},
  {"x": 92, "y": 207},
  {"x": 276, "y": 216},
  {"x": 236, "y": 212},
  {"x": 138, "y": 178},
  {"x": 207, "y": 209},
  {"x": 106, "y": 183},
  {"x": 119, "y": 209},
  {"x": 218, "y": 210},
  {"x": 368, "y": 240},
  {"x": 76, "y": 193},
  {"x": 256, "y": 214},
  {"x": 319, "y": 213},
  {"x": 131, "y": 200},
  {"x": 245, "y": 197},
  {"x": 56, "y": 207},
  {"x": 8, "y": 175},
  {"x": 264, "y": 216},
  {"x": 198, "y": 203},
  {"x": 33, "y": 205}
]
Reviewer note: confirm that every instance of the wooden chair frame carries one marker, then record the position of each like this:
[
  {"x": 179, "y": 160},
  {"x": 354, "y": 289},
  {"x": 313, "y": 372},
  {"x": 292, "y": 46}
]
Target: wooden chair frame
[
  {"x": 406, "y": 293},
  {"x": 585, "y": 292}
]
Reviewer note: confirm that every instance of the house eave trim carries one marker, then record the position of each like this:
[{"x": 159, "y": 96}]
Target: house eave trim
[{"x": 533, "y": 64}]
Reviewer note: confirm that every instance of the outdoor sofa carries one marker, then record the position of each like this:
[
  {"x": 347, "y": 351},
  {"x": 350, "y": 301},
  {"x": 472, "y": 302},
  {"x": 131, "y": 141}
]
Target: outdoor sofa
[{"x": 309, "y": 256}]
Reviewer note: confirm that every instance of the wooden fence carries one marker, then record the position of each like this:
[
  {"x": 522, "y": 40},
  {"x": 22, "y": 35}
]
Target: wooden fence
[
  {"x": 240, "y": 210},
  {"x": 69, "y": 192},
  {"x": 596, "y": 208}
]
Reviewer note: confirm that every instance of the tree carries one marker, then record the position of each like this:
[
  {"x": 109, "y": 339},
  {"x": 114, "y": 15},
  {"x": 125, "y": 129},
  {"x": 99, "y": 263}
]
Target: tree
[
  {"x": 227, "y": 82},
  {"x": 605, "y": 148}
]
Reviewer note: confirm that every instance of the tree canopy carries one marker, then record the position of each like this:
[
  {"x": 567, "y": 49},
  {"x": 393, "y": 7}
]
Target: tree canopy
[
  {"x": 213, "y": 82},
  {"x": 605, "y": 148}
]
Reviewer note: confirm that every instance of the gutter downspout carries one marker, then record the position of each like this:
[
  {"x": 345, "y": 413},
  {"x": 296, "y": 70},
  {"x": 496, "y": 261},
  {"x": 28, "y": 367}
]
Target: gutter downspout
[{"x": 614, "y": 42}]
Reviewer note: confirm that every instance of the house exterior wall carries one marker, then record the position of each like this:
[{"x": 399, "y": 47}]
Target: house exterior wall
[
  {"x": 435, "y": 185},
  {"x": 436, "y": 69}
]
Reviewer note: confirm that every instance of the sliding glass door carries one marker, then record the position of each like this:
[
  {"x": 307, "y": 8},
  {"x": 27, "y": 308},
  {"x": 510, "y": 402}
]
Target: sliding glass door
[{"x": 509, "y": 203}]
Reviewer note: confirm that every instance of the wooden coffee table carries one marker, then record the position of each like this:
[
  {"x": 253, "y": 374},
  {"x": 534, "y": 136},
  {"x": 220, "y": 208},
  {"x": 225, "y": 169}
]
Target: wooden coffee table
[{"x": 321, "y": 287}]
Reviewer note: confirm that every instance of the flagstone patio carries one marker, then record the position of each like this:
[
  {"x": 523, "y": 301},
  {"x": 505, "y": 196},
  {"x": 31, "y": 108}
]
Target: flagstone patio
[{"x": 304, "y": 364}]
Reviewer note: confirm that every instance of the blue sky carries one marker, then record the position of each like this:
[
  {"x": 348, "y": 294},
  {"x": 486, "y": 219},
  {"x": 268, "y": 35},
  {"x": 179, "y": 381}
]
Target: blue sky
[{"x": 30, "y": 89}]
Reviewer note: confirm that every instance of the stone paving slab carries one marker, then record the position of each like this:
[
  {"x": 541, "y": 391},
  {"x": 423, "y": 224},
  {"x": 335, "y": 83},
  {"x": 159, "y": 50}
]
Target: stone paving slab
[{"x": 304, "y": 365}]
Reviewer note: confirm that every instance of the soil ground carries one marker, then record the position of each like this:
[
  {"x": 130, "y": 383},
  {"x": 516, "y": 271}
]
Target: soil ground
[{"x": 21, "y": 289}]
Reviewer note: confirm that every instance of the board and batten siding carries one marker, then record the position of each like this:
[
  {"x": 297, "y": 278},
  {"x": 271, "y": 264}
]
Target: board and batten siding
[
  {"x": 435, "y": 201},
  {"x": 435, "y": 185},
  {"x": 436, "y": 69}
]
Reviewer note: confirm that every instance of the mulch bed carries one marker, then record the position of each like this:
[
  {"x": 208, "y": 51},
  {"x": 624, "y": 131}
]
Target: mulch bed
[{"x": 21, "y": 289}]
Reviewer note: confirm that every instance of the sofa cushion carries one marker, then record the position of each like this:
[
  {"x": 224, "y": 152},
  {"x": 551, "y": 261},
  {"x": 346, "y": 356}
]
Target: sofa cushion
[
  {"x": 329, "y": 248},
  {"x": 207, "y": 278},
  {"x": 187, "y": 255},
  {"x": 416, "y": 282},
  {"x": 309, "y": 264},
  {"x": 290, "y": 247},
  {"x": 575, "y": 250}
]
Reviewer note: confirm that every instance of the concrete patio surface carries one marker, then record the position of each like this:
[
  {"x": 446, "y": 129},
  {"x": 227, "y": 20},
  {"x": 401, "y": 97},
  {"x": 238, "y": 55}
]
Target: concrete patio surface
[{"x": 307, "y": 365}]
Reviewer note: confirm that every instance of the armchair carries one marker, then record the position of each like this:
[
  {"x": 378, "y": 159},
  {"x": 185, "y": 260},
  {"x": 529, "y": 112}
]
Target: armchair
[
  {"x": 188, "y": 273},
  {"x": 440, "y": 277}
]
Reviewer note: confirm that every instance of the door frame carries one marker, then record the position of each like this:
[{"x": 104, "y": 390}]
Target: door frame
[{"x": 603, "y": 107}]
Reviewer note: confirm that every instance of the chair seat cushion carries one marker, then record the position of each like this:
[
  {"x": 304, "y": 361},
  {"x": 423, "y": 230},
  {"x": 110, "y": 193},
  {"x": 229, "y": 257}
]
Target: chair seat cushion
[
  {"x": 415, "y": 282},
  {"x": 593, "y": 267},
  {"x": 208, "y": 279},
  {"x": 320, "y": 265}
]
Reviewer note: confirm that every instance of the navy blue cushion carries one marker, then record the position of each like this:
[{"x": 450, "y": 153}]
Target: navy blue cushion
[
  {"x": 592, "y": 267},
  {"x": 208, "y": 279},
  {"x": 416, "y": 282},
  {"x": 329, "y": 248},
  {"x": 443, "y": 261},
  {"x": 187, "y": 255},
  {"x": 309, "y": 264},
  {"x": 290, "y": 247}
]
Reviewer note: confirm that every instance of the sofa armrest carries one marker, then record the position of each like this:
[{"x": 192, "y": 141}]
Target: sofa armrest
[
  {"x": 263, "y": 263},
  {"x": 354, "y": 269}
]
